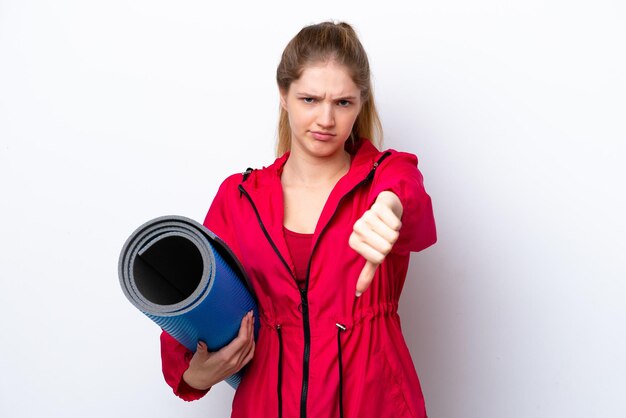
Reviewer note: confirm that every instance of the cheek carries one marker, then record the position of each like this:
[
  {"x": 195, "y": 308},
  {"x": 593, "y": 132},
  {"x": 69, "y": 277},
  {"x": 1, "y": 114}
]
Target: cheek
[
  {"x": 347, "y": 120},
  {"x": 299, "y": 119},
  {"x": 294, "y": 121}
]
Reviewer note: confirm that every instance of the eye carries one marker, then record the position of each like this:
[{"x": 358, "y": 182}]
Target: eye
[
  {"x": 308, "y": 100},
  {"x": 344, "y": 103}
]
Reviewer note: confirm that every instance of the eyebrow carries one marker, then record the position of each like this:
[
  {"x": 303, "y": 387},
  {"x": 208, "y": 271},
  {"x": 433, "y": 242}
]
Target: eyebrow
[{"x": 315, "y": 96}]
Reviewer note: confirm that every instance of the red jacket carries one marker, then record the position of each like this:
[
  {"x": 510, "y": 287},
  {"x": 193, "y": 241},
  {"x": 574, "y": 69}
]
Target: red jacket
[{"x": 330, "y": 349}]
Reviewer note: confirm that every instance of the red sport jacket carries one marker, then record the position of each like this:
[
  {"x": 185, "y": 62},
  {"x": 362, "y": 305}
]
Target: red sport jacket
[{"x": 321, "y": 351}]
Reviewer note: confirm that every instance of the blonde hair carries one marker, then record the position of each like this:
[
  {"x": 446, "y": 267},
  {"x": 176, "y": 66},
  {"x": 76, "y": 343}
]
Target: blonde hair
[{"x": 323, "y": 42}]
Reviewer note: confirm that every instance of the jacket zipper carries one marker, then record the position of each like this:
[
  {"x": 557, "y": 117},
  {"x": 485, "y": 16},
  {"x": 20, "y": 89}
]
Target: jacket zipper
[
  {"x": 280, "y": 371},
  {"x": 304, "y": 291},
  {"x": 307, "y": 341},
  {"x": 267, "y": 235}
]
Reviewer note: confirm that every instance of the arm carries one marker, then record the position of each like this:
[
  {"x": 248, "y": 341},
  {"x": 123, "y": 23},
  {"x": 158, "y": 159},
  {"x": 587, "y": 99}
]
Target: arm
[
  {"x": 399, "y": 174},
  {"x": 400, "y": 219},
  {"x": 175, "y": 359}
]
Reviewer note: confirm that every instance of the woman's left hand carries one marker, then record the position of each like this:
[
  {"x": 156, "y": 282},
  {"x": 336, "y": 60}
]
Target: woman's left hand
[{"x": 374, "y": 234}]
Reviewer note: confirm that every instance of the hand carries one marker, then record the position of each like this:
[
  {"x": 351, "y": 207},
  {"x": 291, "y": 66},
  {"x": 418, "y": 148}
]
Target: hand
[
  {"x": 374, "y": 234},
  {"x": 206, "y": 368}
]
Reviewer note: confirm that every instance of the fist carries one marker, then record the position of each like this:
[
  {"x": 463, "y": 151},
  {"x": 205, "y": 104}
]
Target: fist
[{"x": 374, "y": 234}]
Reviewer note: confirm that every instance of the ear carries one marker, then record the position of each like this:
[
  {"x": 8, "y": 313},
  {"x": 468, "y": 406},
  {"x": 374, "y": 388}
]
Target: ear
[{"x": 283, "y": 99}]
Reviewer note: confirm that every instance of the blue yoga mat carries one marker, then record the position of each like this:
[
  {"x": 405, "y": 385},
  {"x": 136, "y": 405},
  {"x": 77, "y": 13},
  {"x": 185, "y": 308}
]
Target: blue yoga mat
[{"x": 186, "y": 280}]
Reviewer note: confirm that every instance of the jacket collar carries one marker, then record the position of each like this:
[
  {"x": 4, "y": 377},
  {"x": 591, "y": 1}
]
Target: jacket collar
[
  {"x": 364, "y": 155},
  {"x": 266, "y": 194}
]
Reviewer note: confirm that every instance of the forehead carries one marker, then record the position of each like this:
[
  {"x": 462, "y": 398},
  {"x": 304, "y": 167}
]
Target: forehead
[{"x": 323, "y": 79}]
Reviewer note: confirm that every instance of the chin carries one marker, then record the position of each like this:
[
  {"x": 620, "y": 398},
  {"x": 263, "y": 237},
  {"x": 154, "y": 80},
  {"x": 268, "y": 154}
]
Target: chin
[{"x": 325, "y": 150}]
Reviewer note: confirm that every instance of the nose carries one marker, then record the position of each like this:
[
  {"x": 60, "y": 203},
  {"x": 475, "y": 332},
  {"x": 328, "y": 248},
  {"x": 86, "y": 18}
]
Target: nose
[{"x": 326, "y": 116}]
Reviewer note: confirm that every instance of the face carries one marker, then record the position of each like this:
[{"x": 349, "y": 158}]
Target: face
[{"x": 322, "y": 105}]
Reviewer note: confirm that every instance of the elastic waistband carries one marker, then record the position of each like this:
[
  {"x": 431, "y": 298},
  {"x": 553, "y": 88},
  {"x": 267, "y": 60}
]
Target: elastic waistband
[{"x": 328, "y": 322}]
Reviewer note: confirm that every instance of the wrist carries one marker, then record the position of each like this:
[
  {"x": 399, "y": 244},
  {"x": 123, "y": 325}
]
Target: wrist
[{"x": 194, "y": 381}]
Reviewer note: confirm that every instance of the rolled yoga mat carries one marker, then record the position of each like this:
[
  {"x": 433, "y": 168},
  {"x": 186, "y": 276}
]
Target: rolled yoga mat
[{"x": 187, "y": 280}]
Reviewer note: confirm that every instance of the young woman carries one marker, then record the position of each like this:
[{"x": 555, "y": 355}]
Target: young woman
[{"x": 325, "y": 234}]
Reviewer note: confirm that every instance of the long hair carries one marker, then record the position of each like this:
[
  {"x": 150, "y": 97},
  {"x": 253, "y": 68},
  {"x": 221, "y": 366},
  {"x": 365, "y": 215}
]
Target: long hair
[{"x": 324, "y": 42}]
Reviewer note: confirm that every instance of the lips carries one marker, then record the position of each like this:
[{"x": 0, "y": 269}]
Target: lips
[{"x": 322, "y": 136}]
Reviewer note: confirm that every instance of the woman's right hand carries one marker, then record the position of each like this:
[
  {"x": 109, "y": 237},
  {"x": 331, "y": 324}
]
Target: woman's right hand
[{"x": 206, "y": 368}]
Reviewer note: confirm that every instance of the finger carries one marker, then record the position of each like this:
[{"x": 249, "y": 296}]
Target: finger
[
  {"x": 251, "y": 327},
  {"x": 372, "y": 221},
  {"x": 231, "y": 355},
  {"x": 249, "y": 356},
  {"x": 250, "y": 338},
  {"x": 392, "y": 201},
  {"x": 368, "y": 252},
  {"x": 246, "y": 326},
  {"x": 245, "y": 352},
  {"x": 245, "y": 359},
  {"x": 243, "y": 327},
  {"x": 374, "y": 240},
  {"x": 202, "y": 352},
  {"x": 249, "y": 334},
  {"x": 201, "y": 346},
  {"x": 240, "y": 340},
  {"x": 385, "y": 214},
  {"x": 366, "y": 277}
]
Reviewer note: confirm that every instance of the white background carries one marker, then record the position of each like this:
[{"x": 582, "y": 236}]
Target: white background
[{"x": 112, "y": 113}]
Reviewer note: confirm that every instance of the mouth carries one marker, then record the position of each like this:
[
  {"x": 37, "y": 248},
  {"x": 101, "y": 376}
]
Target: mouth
[{"x": 322, "y": 136}]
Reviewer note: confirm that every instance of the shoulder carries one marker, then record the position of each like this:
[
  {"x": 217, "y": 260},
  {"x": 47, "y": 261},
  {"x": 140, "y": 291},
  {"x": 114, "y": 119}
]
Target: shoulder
[
  {"x": 228, "y": 187},
  {"x": 247, "y": 176},
  {"x": 398, "y": 172},
  {"x": 256, "y": 177},
  {"x": 367, "y": 154},
  {"x": 232, "y": 181},
  {"x": 399, "y": 158},
  {"x": 397, "y": 164}
]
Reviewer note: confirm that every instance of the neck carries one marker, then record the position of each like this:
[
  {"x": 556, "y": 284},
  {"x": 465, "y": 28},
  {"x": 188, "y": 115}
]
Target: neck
[{"x": 309, "y": 171}]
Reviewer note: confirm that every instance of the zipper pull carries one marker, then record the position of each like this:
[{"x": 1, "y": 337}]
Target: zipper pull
[{"x": 246, "y": 173}]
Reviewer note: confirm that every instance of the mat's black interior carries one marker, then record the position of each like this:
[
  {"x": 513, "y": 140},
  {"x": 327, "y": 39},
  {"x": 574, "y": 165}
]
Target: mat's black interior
[{"x": 169, "y": 271}]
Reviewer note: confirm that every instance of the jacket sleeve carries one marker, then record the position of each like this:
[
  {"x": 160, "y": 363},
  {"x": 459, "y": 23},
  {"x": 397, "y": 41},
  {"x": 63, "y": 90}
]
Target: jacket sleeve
[
  {"x": 175, "y": 357},
  {"x": 175, "y": 360},
  {"x": 219, "y": 218},
  {"x": 400, "y": 175}
]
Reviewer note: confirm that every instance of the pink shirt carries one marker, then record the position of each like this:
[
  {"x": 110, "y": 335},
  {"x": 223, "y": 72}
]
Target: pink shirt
[{"x": 299, "y": 246}]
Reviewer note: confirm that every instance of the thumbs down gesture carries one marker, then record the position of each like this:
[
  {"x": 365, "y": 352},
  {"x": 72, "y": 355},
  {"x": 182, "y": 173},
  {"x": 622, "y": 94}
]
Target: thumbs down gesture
[{"x": 374, "y": 235}]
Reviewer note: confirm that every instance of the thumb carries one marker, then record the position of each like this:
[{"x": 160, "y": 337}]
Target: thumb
[
  {"x": 202, "y": 351},
  {"x": 366, "y": 277}
]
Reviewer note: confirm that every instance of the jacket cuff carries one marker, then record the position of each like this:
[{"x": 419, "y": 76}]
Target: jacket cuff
[{"x": 175, "y": 360}]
